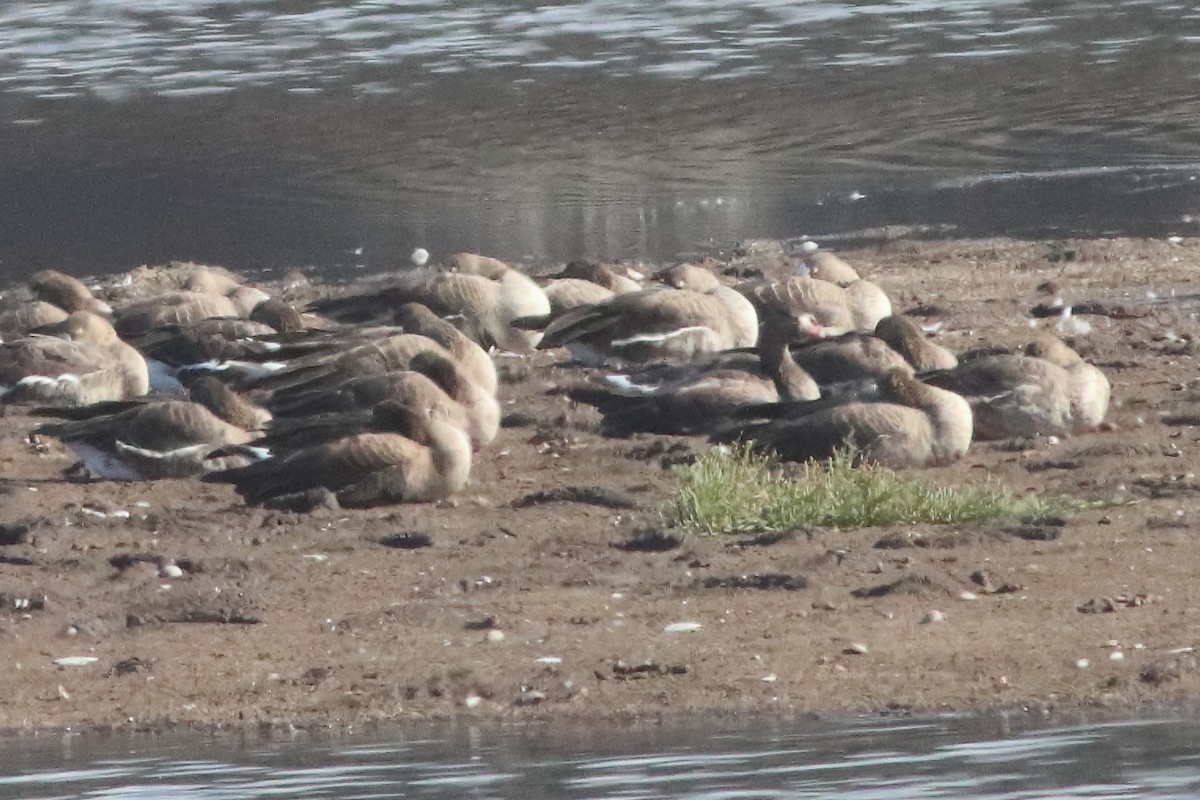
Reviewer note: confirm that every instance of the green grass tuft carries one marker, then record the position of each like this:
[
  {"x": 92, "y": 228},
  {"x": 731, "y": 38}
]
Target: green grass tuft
[{"x": 738, "y": 491}]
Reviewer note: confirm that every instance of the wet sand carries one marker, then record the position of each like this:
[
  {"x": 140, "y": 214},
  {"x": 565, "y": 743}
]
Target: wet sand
[{"x": 495, "y": 605}]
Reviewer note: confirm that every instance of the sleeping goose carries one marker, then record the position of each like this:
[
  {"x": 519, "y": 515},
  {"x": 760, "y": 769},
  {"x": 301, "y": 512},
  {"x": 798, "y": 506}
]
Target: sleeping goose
[
  {"x": 700, "y": 316},
  {"x": 24, "y": 318},
  {"x": 470, "y": 356},
  {"x": 172, "y": 308},
  {"x": 78, "y": 361},
  {"x": 1047, "y": 390},
  {"x": 429, "y": 460},
  {"x": 582, "y": 283},
  {"x": 432, "y": 382},
  {"x": 66, "y": 292},
  {"x": 912, "y": 425},
  {"x": 699, "y": 397},
  {"x": 144, "y": 440},
  {"x": 486, "y": 293}
]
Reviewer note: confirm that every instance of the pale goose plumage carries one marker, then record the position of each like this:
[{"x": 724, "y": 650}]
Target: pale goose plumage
[
  {"x": 1090, "y": 389},
  {"x": 24, "y": 318},
  {"x": 582, "y": 283},
  {"x": 912, "y": 425},
  {"x": 172, "y": 308},
  {"x": 1028, "y": 395},
  {"x": 81, "y": 361},
  {"x": 826, "y": 266},
  {"x": 146, "y": 440},
  {"x": 486, "y": 293},
  {"x": 431, "y": 460},
  {"x": 701, "y": 316},
  {"x": 796, "y": 295},
  {"x": 66, "y": 292}
]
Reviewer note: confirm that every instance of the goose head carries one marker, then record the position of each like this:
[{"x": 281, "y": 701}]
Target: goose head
[{"x": 66, "y": 292}]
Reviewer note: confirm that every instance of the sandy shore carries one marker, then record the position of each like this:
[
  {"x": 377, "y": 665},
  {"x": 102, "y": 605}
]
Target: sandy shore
[{"x": 521, "y": 609}]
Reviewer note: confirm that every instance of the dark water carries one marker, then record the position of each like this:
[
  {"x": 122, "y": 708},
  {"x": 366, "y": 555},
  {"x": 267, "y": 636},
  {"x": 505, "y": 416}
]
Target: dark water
[
  {"x": 940, "y": 758},
  {"x": 284, "y": 132}
]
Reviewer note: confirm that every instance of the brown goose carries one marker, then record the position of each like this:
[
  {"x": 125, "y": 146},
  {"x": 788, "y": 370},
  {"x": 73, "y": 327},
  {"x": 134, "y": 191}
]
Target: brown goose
[
  {"x": 582, "y": 283},
  {"x": 429, "y": 461},
  {"x": 26, "y": 317},
  {"x": 906, "y": 338},
  {"x": 66, "y": 292},
  {"x": 328, "y": 370},
  {"x": 473, "y": 359},
  {"x": 83, "y": 361},
  {"x": 1089, "y": 391},
  {"x": 432, "y": 382},
  {"x": 797, "y": 295},
  {"x": 145, "y": 440},
  {"x": 702, "y": 316},
  {"x": 486, "y": 293},
  {"x": 172, "y": 308},
  {"x": 913, "y": 425},
  {"x": 826, "y": 266},
  {"x": 1028, "y": 395},
  {"x": 699, "y": 397}
]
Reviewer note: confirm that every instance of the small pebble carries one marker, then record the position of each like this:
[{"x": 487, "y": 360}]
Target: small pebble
[
  {"x": 856, "y": 649},
  {"x": 472, "y": 701},
  {"x": 1082, "y": 663},
  {"x": 933, "y": 615},
  {"x": 1116, "y": 655},
  {"x": 965, "y": 595},
  {"x": 495, "y": 636},
  {"x": 170, "y": 571},
  {"x": 682, "y": 627}
]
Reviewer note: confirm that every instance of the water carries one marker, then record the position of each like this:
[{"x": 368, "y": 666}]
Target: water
[
  {"x": 960, "y": 759},
  {"x": 343, "y": 134}
]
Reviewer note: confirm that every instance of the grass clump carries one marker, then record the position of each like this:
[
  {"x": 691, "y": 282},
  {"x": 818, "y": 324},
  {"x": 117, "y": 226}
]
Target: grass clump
[{"x": 738, "y": 490}]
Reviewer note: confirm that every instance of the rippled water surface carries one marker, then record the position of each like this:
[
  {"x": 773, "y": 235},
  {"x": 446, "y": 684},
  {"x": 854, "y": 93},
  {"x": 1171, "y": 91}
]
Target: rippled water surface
[
  {"x": 958, "y": 759},
  {"x": 270, "y": 132}
]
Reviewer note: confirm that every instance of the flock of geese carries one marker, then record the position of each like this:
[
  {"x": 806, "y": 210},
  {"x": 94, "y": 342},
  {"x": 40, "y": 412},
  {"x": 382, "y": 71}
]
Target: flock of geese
[{"x": 383, "y": 393}]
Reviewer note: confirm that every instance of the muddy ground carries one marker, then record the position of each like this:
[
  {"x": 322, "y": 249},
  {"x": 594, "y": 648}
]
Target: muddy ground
[{"x": 498, "y": 605}]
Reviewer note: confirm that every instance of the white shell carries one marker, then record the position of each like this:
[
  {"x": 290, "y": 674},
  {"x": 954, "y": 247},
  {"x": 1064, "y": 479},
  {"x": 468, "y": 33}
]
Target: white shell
[{"x": 75, "y": 661}]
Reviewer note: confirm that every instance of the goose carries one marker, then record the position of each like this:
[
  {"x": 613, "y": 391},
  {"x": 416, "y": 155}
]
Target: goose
[
  {"x": 897, "y": 343},
  {"x": 582, "y": 283},
  {"x": 698, "y": 398},
  {"x": 700, "y": 316},
  {"x": 1090, "y": 389},
  {"x": 913, "y": 425},
  {"x": 1046, "y": 390},
  {"x": 825, "y": 266},
  {"x": 26, "y": 317},
  {"x": 286, "y": 318},
  {"x": 470, "y": 356},
  {"x": 432, "y": 382},
  {"x": 66, "y": 292},
  {"x": 483, "y": 291},
  {"x": 827, "y": 302},
  {"x": 172, "y": 308},
  {"x": 81, "y": 361},
  {"x": 430, "y": 460},
  {"x": 147, "y": 440},
  {"x": 321, "y": 370},
  {"x": 906, "y": 338}
]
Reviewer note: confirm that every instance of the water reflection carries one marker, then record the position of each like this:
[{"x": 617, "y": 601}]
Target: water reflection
[
  {"x": 294, "y": 131},
  {"x": 933, "y": 758}
]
